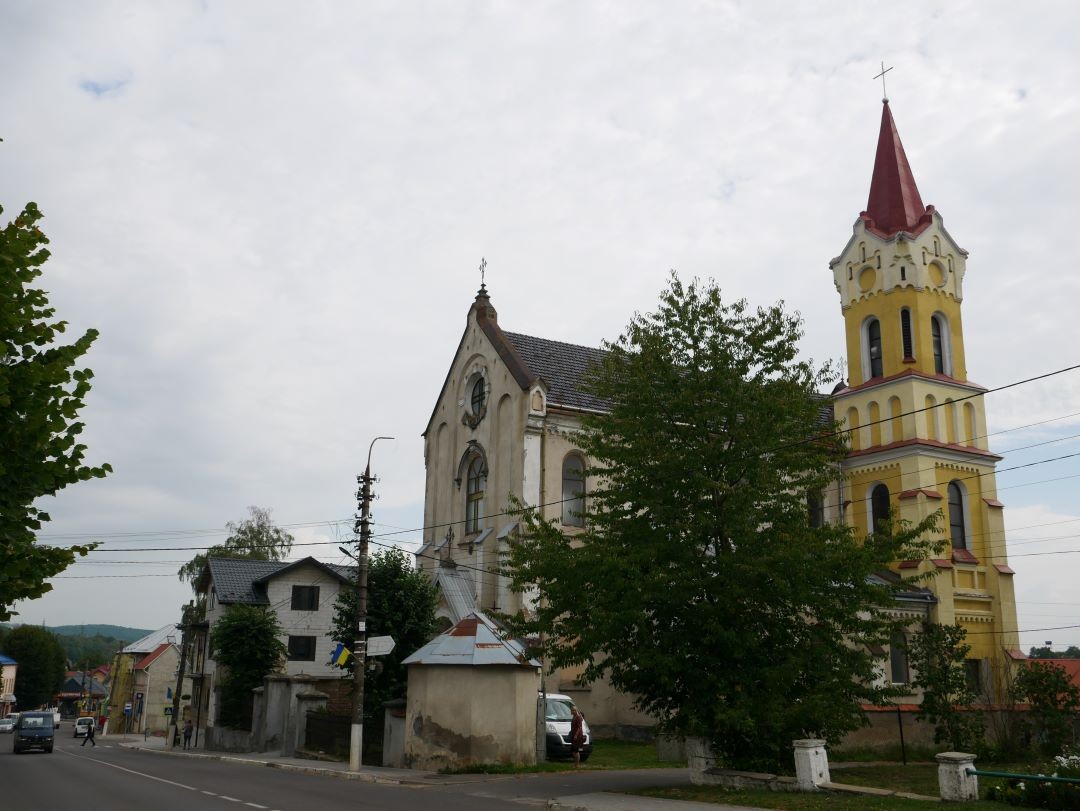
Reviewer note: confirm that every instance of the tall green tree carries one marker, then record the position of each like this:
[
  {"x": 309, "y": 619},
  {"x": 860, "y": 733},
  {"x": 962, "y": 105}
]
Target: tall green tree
[
  {"x": 245, "y": 642},
  {"x": 938, "y": 654},
  {"x": 254, "y": 538},
  {"x": 699, "y": 585},
  {"x": 41, "y": 665},
  {"x": 41, "y": 394},
  {"x": 1053, "y": 701},
  {"x": 401, "y": 604}
]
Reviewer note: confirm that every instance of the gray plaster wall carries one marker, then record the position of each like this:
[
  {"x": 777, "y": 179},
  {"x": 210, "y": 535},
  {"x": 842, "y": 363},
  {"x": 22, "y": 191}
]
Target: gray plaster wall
[{"x": 458, "y": 716}]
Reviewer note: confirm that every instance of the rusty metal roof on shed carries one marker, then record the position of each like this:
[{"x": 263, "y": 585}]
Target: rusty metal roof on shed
[{"x": 475, "y": 640}]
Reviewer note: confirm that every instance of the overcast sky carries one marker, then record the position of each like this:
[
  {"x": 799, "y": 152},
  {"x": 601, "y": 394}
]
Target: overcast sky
[{"x": 274, "y": 213}]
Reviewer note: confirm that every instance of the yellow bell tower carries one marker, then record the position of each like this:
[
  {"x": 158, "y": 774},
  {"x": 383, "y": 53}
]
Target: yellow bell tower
[{"x": 918, "y": 425}]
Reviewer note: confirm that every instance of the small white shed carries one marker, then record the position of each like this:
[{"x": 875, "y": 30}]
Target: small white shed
[{"x": 471, "y": 699}]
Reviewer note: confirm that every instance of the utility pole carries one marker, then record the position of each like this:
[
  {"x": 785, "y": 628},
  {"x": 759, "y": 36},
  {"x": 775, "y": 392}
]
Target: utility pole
[
  {"x": 185, "y": 623},
  {"x": 363, "y": 532}
]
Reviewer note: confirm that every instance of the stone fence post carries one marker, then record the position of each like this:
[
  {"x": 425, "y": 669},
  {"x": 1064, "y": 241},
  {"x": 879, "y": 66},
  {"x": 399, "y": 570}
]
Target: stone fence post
[
  {"x": 954, "y": 782},
  {"x": 811, "y": 764}
]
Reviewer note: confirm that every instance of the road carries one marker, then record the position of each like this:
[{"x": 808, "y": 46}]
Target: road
[{"x": 118, "y": 779}]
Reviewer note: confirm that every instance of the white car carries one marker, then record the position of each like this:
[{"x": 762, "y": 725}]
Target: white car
[
  {"x": 557, "y": 726},
  {"x": 82, "y": 726},
  {"x": 7, "y": 724}
]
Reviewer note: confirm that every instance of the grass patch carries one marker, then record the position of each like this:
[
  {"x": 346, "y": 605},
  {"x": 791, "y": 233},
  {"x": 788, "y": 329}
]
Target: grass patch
[
  {"x": 806, "y": 802},
  {"x": 607, "y": 755}
]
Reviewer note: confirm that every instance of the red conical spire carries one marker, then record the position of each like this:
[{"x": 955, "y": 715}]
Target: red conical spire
[{"x": 894, "y": 204}]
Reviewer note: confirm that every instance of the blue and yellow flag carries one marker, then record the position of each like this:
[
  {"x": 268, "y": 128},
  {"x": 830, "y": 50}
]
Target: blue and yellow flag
[{"x": 340, "y": 655}]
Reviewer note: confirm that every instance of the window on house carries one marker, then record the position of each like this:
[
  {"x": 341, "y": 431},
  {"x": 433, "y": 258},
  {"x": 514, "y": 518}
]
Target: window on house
[
  {"x": 479, "y": 394},
  {"x": 873, "y": 339},
  {"x": 573, "y": 492},
  {"x": 957, "y": 531},
  {"x": 305, "y": 598},
  {"x": 815, "y": 508},
  {"x": 898, "y": 659},
  {"x": 879, "y": 507},
  {"x": 939, "y": 345},
  {"x": 301, "y": 649},
  {"x": 905, "y": 333},
  {"x": 212, "y": 602},
  {"x": 476, "y": 483}
]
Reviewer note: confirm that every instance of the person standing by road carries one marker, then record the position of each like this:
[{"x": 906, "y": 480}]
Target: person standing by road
[
  {"x": 187, "y": 733},
  {"x": 90, "y": 734},
  {"x": 577, "y": 736}
]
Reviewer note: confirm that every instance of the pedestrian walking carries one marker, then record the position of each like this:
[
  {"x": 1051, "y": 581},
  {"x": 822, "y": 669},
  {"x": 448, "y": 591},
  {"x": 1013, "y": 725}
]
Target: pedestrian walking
[
  {"x": 187, "y": 733},
  {"x": 90, "y": 735}
]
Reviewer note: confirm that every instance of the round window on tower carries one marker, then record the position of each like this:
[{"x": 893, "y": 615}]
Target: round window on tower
[{"x": 476, "y": 397}]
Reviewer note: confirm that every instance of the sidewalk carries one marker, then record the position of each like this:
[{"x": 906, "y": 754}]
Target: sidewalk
[{"x": 595, "y": 801}]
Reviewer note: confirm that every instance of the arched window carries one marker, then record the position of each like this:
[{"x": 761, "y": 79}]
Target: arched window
[
  {"x": 476, "y": 483},
  {"x": 957, "y": 530},
  {"x": 939, "y": 346},
  {"x": 873, "y": 347},
  {"x": 879, "y": 507},
  {"x": 905, "y": 333},
  {"x": 479, "y": 394},
  {"x": 573, "y": 491},
  {"x": 898, "y": 658}
]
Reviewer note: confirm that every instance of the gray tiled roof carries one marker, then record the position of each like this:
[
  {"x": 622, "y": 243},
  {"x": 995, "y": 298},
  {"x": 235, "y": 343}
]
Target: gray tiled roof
[
  {"x": 233, "y": 579},
  {"x": 236, "y": 580},
  {"x": 562, "y": 367}
]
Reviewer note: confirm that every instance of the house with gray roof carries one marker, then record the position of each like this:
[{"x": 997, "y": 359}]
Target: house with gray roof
[{"x": 302, "y": 594}]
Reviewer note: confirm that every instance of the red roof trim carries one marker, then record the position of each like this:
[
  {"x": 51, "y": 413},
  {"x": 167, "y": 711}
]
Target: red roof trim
[
  {"x": 909, "y": 564},
  {"x": 932, "y": 443},
  {"x": 992, "y": 502},
  {"x": 149, "y": 659},
  {"x": 963, "y": 556},
  {"x": 880, "y": 381},
  {"x": 942, "y": 563},
  {"x": 1003, "y": 568},
  {"x": 924, "y": 490}
]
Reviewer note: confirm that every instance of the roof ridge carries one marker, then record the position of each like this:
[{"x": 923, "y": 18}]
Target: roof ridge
[{"x": 601, "y": 350}]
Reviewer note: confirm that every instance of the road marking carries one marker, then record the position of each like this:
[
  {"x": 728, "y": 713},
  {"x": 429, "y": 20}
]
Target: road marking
[
  {"x": 256, "y": 805},
  {"x": 130, "y": 771},
  {"x": 210, "y": 793},
  {"x": 230, "y": 799}
]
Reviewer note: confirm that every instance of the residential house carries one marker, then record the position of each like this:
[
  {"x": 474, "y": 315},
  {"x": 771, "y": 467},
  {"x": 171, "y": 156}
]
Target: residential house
[
  {"x": 82, "y": 693},
  {"x": 140, "y": 682},
  {"x": 301, "y": 593},
  {"x": 8, "y": 668}
]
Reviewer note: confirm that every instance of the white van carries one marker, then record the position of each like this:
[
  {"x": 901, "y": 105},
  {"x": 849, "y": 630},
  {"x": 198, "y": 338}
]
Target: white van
[{"x": 557, "y": 725}]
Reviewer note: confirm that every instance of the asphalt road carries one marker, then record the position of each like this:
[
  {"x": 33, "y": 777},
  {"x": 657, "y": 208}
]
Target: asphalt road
[{"x": 112, "y": 778}]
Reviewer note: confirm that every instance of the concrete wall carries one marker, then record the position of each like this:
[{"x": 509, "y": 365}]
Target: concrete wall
[{"x": 458, "y": 716}]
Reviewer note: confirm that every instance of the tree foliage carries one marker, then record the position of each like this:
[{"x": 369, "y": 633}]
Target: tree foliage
[
  {"x": 699, "y": 585},
  {"x": 41, "y": 665},
  {"x": 41, "y": 395},
  {"x": 401, "y": 604},
  {"x": 1054, "y": 702},
  {"x": 1071, "y": 652},
  {"x": 254, "y": 538},
  {"x": 938, "y": 654},
  {"x": 245, "y": 644}
]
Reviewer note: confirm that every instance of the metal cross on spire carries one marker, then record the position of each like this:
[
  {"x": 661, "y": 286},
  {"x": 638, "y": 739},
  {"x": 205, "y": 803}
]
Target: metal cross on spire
[
  {"x": 483, "y": 267},
  {"x": 884, "y": 70}
]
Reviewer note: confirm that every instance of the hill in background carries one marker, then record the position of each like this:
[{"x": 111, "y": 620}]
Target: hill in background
[{"x": 124, "y": 634}]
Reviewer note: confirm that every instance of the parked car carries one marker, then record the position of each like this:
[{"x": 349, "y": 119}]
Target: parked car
[
  {"x": 7, "y": 725},
  {"x": 34, "y": 731},
  {"x": 557, "y": 723},
  {"x": 82, "y": 726}
]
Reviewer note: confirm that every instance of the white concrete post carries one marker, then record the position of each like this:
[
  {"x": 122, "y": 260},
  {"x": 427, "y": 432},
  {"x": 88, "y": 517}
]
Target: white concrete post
[
  {"x": 811, "y": 764},
  {"x": 954, "y": 782}
]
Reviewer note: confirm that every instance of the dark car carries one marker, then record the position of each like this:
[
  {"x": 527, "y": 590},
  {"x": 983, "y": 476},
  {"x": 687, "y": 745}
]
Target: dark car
[{"x": 34, "y": 731}]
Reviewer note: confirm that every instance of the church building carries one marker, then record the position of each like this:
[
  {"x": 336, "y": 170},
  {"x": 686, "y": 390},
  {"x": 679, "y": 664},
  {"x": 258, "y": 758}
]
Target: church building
[{"x": 505, "y": 419}]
